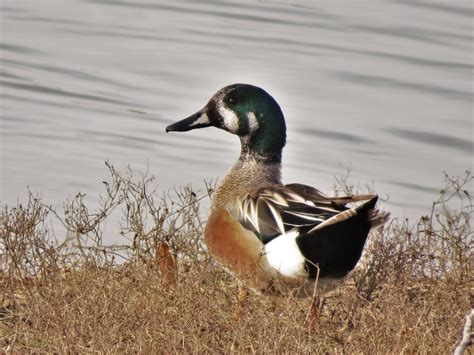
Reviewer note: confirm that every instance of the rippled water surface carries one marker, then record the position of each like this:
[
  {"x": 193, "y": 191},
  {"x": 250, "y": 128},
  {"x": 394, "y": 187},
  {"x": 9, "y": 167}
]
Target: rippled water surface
[{"x": 384, "y": 87}]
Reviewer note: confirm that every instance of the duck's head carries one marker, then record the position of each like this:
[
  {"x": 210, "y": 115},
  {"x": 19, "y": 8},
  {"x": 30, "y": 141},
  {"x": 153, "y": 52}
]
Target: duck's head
[{"x": 247, "y": 111}]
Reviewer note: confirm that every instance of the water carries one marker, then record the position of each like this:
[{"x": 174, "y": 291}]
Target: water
[{"x": 383, "y": 87}]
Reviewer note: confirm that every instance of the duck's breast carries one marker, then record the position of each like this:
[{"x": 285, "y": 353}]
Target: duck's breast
[{"x": 238, "y": 249}]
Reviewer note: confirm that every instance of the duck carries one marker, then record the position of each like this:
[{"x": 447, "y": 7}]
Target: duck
[{"x": 276, "y": 237}]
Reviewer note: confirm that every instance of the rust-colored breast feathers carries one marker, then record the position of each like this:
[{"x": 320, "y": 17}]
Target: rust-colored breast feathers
[{"x": 236, "y": 248}]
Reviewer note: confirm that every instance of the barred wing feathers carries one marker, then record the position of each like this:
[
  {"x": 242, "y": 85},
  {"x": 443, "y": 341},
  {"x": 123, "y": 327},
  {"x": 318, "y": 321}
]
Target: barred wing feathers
[{"x": 275, "y": 210}]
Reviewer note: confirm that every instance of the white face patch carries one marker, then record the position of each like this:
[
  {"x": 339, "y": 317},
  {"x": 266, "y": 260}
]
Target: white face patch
[
  {"x": 253, "y": 123},
  {"x": 231, "y": 121},
  {"x": 203, "y": 119}
]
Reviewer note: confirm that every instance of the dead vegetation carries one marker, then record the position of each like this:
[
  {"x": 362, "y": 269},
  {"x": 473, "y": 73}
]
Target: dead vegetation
[{"x": 159, "y": 290}]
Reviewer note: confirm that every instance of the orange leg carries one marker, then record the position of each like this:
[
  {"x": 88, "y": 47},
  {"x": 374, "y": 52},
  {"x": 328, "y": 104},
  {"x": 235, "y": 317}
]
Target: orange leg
[
  {"x": 312, "y": 318},
  {"x": 242, "y": 301}
]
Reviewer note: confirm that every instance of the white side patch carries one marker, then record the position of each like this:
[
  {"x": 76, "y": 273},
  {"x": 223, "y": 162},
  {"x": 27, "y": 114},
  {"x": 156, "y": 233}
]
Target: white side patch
[
  {"x": 201, "y": 120},
  {"x": 253, "y": 123},
  {"x": 231, "y": 121},
  {"x": 284, "y": 255}
]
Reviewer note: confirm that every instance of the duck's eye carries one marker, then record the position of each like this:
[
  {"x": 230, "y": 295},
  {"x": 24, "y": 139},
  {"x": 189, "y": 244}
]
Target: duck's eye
[{"x": 232, "y": 100}]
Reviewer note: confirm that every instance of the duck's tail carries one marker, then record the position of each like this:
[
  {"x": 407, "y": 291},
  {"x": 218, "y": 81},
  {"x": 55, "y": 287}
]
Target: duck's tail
[{"x": 377, "y": 217}]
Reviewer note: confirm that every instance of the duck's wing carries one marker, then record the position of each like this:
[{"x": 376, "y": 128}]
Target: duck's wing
[
  {"x": 277, "y": 209},
  {"x": 329, "y": 234}
]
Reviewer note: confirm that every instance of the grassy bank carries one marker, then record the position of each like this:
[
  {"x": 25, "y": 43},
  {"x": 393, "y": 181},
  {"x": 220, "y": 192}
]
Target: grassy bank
[{"x": 159, "y": 290}]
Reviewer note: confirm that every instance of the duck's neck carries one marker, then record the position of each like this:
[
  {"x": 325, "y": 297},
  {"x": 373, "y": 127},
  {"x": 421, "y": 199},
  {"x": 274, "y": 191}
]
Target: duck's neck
[{"x": 250, "y": 172}]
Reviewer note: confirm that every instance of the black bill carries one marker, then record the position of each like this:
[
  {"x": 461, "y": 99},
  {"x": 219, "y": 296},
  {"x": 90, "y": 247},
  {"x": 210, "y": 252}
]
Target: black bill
[{"x": 198, "y": 120}]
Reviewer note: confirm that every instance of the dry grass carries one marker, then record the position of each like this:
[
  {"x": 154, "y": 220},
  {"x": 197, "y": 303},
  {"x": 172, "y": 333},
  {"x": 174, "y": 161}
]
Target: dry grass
[{"x": 410, "y": 293}]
